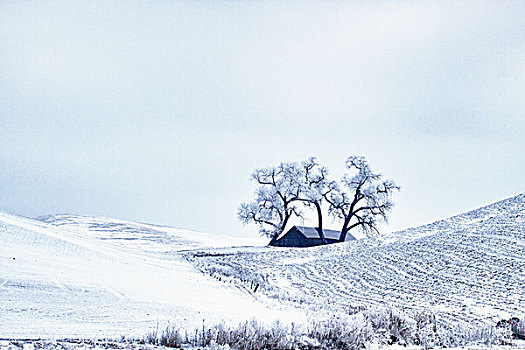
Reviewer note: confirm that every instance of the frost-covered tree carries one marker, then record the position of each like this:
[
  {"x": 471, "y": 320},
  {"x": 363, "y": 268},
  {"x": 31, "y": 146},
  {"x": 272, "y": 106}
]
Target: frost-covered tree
[
  {"x": 276, "y": 199},
  {"x": 361, "y": 199},
  {"x": 314, "y": 183},
  {"x": 283, "y": 192}
]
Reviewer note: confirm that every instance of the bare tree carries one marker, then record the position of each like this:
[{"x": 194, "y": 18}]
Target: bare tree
[
  {"x": 361, "y": 199},
  {"x": 275, "y": 199},
  {"x": 314, "y": 187}
]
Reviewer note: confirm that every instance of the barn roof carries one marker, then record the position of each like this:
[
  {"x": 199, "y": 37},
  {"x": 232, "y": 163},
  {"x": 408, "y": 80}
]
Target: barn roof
[{"x": 311, "y": 232}]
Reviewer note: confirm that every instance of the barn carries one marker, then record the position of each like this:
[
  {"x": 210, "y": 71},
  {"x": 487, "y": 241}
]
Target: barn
[{"x": 302, "y": 236}]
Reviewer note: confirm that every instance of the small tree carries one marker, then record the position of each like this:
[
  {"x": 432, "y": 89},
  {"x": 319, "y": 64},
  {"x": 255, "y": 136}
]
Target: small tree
[{"x": 361, "y": 199}]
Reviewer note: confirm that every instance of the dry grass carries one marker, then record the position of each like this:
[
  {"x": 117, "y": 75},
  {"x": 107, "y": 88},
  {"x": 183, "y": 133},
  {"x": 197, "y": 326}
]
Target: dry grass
[{"x": 340, "y": 333}]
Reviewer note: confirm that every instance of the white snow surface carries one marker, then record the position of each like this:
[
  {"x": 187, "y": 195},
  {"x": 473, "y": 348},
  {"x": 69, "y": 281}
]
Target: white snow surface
[
  {"x": 73, "y": 276},
  {"x": 84, "y": 277},
  {"x": 469, "y": 269}
]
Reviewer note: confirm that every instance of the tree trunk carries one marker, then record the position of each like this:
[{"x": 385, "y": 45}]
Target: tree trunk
[
  {"x": 281, "y": 230},
  {"x": 320, "y": 222},
  {"x": 344, "y": 230},
  {"x": 274, "y": 238},
  {"x": 343, "y": 235}
]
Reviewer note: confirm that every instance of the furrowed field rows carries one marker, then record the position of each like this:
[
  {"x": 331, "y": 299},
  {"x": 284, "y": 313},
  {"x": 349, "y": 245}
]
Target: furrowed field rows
[{"x": 467, "y": 269}]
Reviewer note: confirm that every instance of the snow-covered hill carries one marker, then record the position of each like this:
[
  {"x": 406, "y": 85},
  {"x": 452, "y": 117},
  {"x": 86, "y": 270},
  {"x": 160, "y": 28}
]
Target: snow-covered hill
[
  {"x": 77, "y": 276},
  {"x": 94, "y": 277},
  {"x": 140, "y": 237},
  {"x": 467, "y": 269}
]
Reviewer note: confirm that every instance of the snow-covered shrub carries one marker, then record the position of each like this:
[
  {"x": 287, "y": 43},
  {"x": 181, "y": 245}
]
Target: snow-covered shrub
[
  {"x": 250, "y": 335},
  {"x": 514, "y": 327},
  {"x": 519, "y": 331},
  {"x": 395, "y": 326},
  {"x": 171, "y": 337},
  {"x": 338, "y": 333},
  {"x": 382, "y": 326}
]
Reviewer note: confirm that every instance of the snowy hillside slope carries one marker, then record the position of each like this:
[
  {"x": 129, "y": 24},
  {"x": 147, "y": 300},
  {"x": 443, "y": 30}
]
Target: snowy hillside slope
[
  {"x": 468, "y": 269},
  {"x": 146, "y": 237},
  {"x": 58, "y": 281}
]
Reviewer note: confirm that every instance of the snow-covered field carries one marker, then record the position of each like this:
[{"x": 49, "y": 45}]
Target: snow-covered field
[
  {"x": 99, "y": 277},
  {"x": 91, "y": 277},
  {"x": 468, "y": 269}
]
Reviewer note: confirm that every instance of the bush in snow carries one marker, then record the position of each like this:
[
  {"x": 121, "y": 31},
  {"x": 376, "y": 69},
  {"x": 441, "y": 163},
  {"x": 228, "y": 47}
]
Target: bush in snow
[{"x": 343, "y": 332}]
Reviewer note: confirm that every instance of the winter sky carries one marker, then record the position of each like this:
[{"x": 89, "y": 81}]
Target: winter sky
[{"x": 158, "y": 111}]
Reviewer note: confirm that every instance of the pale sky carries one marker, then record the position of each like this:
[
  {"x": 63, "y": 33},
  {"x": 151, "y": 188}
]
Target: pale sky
[{"x": 158, "y": 111}]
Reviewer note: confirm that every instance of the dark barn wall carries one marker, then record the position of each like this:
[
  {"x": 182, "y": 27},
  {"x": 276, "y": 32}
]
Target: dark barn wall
[{"x": 294, "y": 238}]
